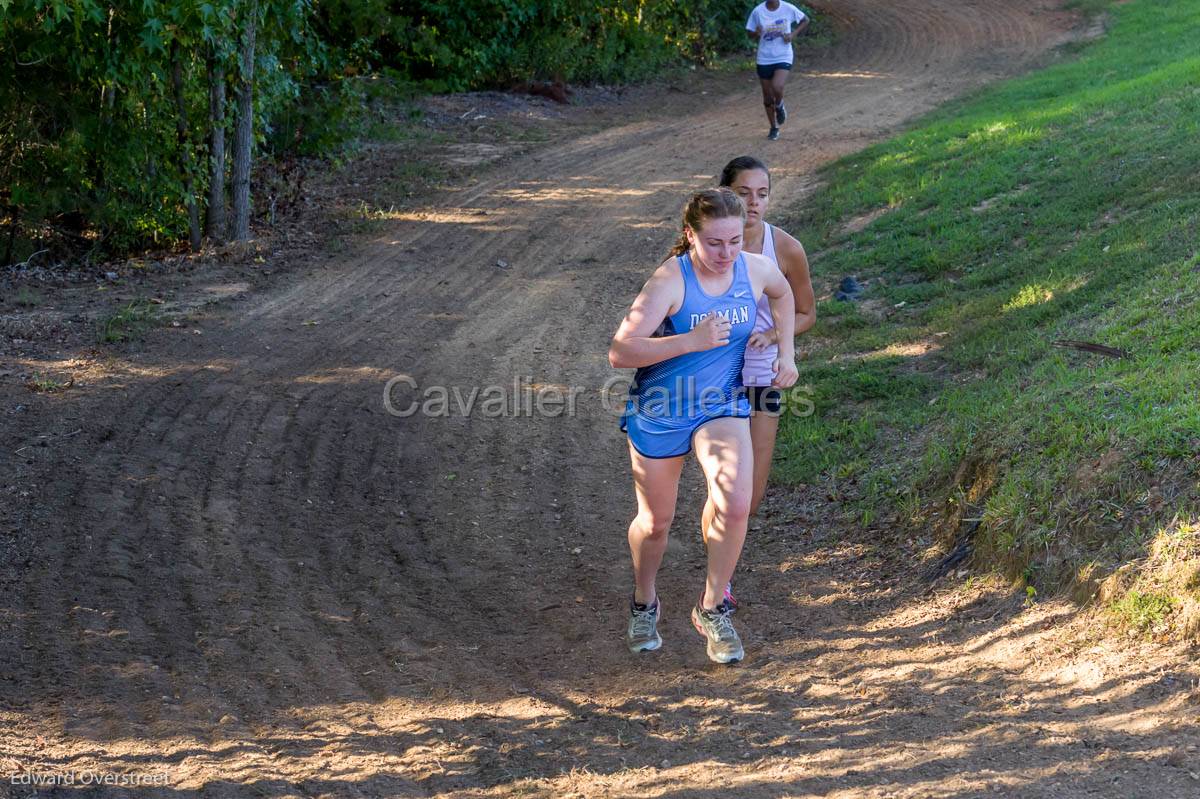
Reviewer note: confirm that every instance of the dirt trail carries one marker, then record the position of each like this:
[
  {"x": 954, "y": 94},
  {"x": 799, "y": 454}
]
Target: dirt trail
[{"x": 243, "y": 575}]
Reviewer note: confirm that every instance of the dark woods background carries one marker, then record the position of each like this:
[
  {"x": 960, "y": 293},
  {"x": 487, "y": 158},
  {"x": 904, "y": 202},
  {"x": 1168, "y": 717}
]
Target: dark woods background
[{"x": 135, "y": 125}]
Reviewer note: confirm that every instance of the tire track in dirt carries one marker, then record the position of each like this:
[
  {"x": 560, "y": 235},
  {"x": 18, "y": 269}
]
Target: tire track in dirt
[
  {"x": 440, "y": 587},
  {"x": 162, "y": 556}
]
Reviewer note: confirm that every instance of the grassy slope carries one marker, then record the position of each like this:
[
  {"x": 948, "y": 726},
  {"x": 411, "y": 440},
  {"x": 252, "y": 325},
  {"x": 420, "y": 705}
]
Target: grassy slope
[{"x": 1063, "y": 205}]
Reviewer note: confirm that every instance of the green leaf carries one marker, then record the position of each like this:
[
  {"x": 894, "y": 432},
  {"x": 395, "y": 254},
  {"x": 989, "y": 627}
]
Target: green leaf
[{"x": 151, "y": 41}]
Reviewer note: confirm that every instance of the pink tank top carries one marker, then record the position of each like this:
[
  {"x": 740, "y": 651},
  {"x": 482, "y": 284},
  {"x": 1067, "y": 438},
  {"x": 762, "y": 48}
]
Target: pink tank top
[{"x": 757, "y": 370}]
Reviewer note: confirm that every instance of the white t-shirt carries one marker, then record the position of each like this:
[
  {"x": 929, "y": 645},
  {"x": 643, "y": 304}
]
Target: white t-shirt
[{"x": 772, "y": 49}]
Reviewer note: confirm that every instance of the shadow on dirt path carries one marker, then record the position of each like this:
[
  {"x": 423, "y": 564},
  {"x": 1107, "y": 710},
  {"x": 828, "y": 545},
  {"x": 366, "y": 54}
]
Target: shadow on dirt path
[{"x": 239, "y": 571}]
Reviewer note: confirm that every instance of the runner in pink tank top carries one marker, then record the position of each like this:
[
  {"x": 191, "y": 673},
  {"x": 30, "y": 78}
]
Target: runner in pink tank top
[
  {"x": 750, "y": 180},
  {"x": 757, "y": 370}
]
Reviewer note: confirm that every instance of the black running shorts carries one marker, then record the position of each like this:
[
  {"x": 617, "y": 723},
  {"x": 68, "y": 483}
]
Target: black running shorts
[
  {"x": 767, "y": 71},
  {"x": 765, "y": 399}
]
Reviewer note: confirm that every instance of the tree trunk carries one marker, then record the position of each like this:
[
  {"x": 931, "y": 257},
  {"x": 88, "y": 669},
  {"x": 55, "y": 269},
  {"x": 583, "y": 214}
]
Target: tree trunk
[
  {"x": 243, "y": 141},
  {"x": 185, "y": 147},
  {"x": 12, "y": 235},
  {"x": 214, "y": 222}
]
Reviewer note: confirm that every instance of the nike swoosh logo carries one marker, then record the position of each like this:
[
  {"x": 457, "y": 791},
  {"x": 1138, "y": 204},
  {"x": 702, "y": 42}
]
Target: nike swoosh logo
[{"x": 739, "y": 294}]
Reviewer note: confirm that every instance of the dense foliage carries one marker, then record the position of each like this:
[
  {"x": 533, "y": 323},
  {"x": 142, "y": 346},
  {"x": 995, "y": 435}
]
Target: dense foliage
[
  {"x": 108, "y": 110},
  {"x": 465, "y": 45},
  {"x": 92, "y": 97}
]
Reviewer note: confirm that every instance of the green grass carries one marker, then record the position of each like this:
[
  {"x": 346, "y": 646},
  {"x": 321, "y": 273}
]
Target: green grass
[
  {"x": 1061, "y": 205},
  {"x": 127, "y": 323},
  {"x": 1143, "y": 611},
  {"x": 45, "y": 385}
]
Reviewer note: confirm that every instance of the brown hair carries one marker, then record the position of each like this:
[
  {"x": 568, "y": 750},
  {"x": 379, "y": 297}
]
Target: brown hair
[
  {"x": 742, "y": 163},
  {"x": 708, "y": 204}
]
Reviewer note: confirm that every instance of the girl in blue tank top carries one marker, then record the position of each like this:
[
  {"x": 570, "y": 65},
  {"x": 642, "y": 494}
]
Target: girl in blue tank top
[
  {"x": 670, "y": 399},
  {"x": 686, "y": 335}
]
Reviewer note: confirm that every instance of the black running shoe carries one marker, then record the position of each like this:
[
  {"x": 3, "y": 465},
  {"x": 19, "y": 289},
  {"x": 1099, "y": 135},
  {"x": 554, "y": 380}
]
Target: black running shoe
[
  {"x": 780, "y": 115},
  {"x": 774, "y": 134}
]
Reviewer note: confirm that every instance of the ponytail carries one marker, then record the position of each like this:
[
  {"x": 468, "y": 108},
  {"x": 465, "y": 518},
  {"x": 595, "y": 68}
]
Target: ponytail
[{"x": 681, "y": 245}]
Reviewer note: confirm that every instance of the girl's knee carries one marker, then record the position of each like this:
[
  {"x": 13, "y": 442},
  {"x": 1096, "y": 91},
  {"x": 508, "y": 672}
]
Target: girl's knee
[
  {"x": 734, "y": 507},
  {"x": 739, "y": 507},
  {"x": 655, "y": 525}
]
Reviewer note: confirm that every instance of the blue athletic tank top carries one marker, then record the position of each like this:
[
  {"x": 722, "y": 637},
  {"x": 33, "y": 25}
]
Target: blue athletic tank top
[{"x": 699, "y": 382}]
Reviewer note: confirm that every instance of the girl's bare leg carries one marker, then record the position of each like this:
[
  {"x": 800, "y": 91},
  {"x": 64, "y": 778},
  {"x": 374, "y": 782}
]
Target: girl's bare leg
[
  {"x": 725, "y": 454},
  {"x": 656, "y": 483}
]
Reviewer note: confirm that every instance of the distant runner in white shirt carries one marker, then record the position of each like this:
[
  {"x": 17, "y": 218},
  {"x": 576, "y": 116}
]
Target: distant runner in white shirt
[{"x": 771, "y": 25}]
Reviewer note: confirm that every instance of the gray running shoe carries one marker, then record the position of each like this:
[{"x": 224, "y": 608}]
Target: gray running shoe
[
  {"x": 773, "y": 134},
  {"x": 780, "y": 115},
  {"x": 642, "y": 635},
  {"x": 724, "y": 645}
]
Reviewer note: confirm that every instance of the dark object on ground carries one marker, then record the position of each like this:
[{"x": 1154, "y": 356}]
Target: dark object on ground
[
  {"x": 849, "y": 290},
  {"x": 1087, "y": 346},
  {"x": 964, "y": 546},
  {"x": 558, "y": 91}
]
